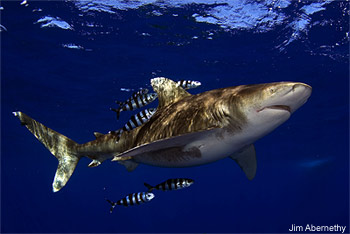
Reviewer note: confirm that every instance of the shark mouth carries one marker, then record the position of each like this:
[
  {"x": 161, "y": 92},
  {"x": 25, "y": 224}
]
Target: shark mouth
[{"x": 278, "y": 107}]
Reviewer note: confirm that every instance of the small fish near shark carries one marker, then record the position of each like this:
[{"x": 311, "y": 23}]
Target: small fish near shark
[
  {"x": 142, "y": 98},
  {"x": 186, "y": 130},
  {"x": 189, "y": 84},
  {"x": 137, "y": 100},
  {"x": 138, "y": 119},
  {"x": 134, "y": 96},
  {"x": 132, "y": 199},
  {"x": 134, "y": 122},
  {"x": 171, "y": 184}
]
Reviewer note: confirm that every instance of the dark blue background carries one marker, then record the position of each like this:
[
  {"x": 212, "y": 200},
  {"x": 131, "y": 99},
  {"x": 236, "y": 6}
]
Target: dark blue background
[{"x": 303, "y": 166}]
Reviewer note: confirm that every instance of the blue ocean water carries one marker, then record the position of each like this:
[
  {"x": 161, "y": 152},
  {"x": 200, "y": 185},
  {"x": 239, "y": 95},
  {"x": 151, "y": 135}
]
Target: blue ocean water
[{"x": 65, "y": 63}]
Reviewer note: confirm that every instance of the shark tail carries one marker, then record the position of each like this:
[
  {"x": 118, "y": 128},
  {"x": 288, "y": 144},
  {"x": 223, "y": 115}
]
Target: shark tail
[
  {"x": 63, "y": 148},
  {"x": 150, "y": 187},
  {"x": 113, "y": 204},
  {"x": 117, "y": 111}
]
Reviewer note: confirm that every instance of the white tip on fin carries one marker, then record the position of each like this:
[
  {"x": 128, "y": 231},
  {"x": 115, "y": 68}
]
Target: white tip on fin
[
  {"x": 94, "y": 163},
  {"x": 246, "y": 159},
  {"x": 167, "y": 90},
  {"x": 129, "y": 165},
  {"x": 98, "y": 134}
]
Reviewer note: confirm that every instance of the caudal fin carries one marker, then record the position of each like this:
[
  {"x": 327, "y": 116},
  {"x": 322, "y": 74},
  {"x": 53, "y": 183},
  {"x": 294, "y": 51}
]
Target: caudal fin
[
  {"x": 117, "y": 111},
  {"x": 63, "y": 148},
  {"x": 113, "y": 204},
  {"x": 150, "y": 187}
]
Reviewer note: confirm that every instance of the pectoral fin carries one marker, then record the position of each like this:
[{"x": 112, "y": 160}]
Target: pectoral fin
[
  {"x": 129, "y": 165},
  {"x": 246, "y": 159}
]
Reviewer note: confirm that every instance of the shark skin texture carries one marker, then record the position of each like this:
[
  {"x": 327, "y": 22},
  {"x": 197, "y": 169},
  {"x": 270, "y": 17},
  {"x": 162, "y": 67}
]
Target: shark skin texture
[{"x": 186, "y": 130}]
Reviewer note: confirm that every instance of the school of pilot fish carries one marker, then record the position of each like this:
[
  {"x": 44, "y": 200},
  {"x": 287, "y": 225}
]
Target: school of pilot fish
[{"x": 143, "y": 197}]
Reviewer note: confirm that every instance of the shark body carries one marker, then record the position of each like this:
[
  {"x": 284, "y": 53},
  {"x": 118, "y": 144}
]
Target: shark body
[{"x": 186, "y": 130}]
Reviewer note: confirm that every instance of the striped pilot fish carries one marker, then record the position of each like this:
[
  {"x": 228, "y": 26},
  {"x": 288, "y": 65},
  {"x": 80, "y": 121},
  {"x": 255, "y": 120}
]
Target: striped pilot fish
[
  {"x": 134, "y": 95},
  {"x": 137, "y": 100},
  {"x": 171, "y": 184},
  {"x": 189, "y": 84},
  {"x": 138, "y": 119},
  {"x": 132, "y": 199}
]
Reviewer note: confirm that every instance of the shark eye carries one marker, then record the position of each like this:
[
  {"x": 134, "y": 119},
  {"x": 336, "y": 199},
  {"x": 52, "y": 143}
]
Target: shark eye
[{"x": 272, "y": 90}]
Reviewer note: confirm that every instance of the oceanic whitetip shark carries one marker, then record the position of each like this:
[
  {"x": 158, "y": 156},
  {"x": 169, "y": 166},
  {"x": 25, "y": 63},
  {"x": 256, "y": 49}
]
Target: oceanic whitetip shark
[{"x": 186, "y": 130}]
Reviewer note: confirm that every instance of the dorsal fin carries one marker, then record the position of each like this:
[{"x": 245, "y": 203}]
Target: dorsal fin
[
  {"x": 168, "y": 91},
  {"x": 98, "y": 134}
]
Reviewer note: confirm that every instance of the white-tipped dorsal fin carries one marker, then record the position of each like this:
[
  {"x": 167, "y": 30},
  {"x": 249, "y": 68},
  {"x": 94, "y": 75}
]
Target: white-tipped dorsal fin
[
  {"x": 246, "y": 159},
  {"x": 98, "y": 134},
  {"x": 129, "y": 165},
  {"x": 168, "y": 91}
]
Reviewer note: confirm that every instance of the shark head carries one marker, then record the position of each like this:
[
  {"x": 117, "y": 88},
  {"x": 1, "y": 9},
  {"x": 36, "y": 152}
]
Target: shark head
[{"x": 266, "y": 106}]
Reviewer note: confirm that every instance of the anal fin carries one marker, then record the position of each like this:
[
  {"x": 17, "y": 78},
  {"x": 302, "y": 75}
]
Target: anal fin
[
  {"x": 94, "y": 163},
  {"x": 246, "y": 159}
]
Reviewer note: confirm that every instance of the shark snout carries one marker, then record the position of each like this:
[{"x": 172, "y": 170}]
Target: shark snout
[
  {"x": 298, "y": 95},
  {"x": 304, "y": 88}
]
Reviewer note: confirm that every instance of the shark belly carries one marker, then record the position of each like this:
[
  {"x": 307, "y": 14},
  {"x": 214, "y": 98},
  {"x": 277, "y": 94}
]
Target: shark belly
[{"x": 192, "y": 149}]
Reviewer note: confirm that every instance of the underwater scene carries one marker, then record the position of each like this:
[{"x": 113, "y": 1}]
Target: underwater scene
[{"x": 178, "y": 116}]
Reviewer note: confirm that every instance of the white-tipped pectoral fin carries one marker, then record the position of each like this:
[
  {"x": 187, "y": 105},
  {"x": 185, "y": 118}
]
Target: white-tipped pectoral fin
[
  {"x": 246, "y": 159},
  {"x": 129, "y": 165}
]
